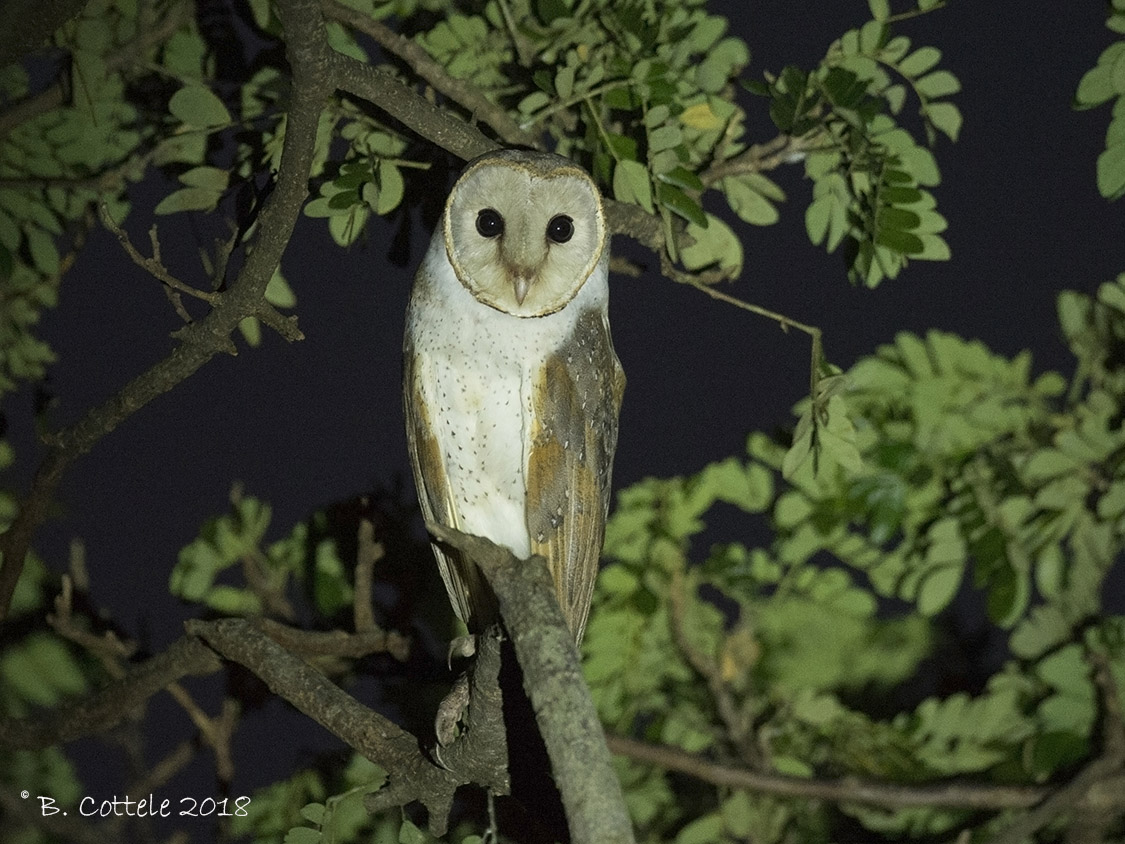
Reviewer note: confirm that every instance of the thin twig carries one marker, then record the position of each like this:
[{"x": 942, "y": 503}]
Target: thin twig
[
  {"x": 368, "y": 553},
  {"x": 154, "y": 266},
  {"x": 946, "y": 795},
  {"x": 817, "y": 351},
  {"x": 216, "y": 731},
  {"x": 737, "y": 724},
  {"x": 109, "y": 650},
  {"x": 337, "y": 643},
  {"x": 163, "y": 771},
  {"x": 758, "y": 158}
]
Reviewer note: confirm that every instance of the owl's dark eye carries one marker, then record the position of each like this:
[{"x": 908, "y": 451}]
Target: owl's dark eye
[
  {"x": 490, "y": 223},
  {"x": 560, "y": 229}
]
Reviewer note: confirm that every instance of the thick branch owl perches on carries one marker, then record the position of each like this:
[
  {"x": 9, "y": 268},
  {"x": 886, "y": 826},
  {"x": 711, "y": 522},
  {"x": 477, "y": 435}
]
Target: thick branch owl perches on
[{"x": 512, "y": 388}]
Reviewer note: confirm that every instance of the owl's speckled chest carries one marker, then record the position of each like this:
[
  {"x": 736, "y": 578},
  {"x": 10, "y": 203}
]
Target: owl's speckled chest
[{"x": 476, "y": 369}]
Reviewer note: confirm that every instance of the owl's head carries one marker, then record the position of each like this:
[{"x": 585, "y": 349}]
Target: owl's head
[{"x": 524, "y": 230}]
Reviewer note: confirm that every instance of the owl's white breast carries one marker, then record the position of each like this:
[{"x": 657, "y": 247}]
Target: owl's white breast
[{"x": 476, "y": 367}]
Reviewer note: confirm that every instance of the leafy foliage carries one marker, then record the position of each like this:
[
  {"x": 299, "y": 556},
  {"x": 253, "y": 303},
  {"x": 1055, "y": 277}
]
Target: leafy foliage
[
  {"x": 1102, "y": 84},
  {"x": 870, "y": 177},
  {"x": 236, "y": 539},
  {"x": 962, "y": 472}
]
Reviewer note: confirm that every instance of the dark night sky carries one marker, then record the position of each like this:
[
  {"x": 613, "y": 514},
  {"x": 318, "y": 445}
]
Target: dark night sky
[{"x": 306, "y": 424}]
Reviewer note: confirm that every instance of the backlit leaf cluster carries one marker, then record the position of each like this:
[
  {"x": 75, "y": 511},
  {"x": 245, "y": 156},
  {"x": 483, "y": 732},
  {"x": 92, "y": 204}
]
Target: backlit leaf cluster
[
  {"x": 236, "y": 541},
  {"x": 950, "y": 471},
  {"x": 1102, "y": 84},
  {"x": 871, "y": 178},
  {"x": 53, "y": 167},
  {"x": 643, "y": 93}
]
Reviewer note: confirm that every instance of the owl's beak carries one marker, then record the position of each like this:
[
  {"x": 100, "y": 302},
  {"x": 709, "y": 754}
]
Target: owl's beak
[{"x": 522, "y": 284}]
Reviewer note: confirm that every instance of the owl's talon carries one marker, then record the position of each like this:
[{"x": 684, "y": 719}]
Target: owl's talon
[
  {"x": 449, "y": 713},
  {"x": 462, "y": 646}
]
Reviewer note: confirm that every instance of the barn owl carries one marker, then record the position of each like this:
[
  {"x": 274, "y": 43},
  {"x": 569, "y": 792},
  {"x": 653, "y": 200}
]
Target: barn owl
[{"x": 511, "y": 385}]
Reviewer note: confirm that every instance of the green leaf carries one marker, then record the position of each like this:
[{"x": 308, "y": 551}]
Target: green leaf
[
  {"x": 666, "y": 137},
  {"x": 209, "y": 178},
  {"x": 533, "y": 102},
  {"x": 747, "y": 194},
  {"x": 946, "y": 118},
  {"x": 897, "y": 218},
  {"x": 940, "y": 83},
  {"x": 817, "y": 217},
  {"x": 313, "y": 812},
  {"x": 880, "y": 9},
  {"x": 681, "y": 177},
  {"x": 392, "y": 188},
  {"x": 188, "y": 199},
  {"x": 704, "y": 830},
  {"x": 906, "y": 243},
  {"x": 564, "y": 82},
  {"x": 715, "y": 244},
  {"x": 1095, "y": 87},
  {"x": 44, "y": 253},
  {"x": 408, "y": 833},
  {"x": 871, "y": 36},
  {"x": 278, "y": 292},
  {"x": 722, "y": 62},
  {"x": 1118, "y": 73},
  {"x": 551, "y": 10},
  {"x": 346, "y": 228},
  {"x": 631, "y": 184},
  {"x": 251, "y": 329},
  {"x": 938, "y": 588},
  {"x": 195, "y": 105},
  {"x": 302, "y": 835},
  {"x": 920, "y": 61},
  {"x": 1111, "y": 172},
  {"x": 675, "y": 200}
]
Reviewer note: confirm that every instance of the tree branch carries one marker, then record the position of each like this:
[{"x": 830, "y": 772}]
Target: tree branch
[
  {"x": 387, "y": 93},
  {"x": 457, "y": 90},
  {"x": 758, "y": 158},
  {"x": 337, "y": 642},
  {"x": 946, "y": 795},
  {"x": 111, "y": 704},
  {"x": 412, "y": 775},
  {"x": 591, "y": 792}
]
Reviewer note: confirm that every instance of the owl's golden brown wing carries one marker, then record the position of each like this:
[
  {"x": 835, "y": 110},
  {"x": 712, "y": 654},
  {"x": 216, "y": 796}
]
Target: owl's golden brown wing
[
  {"x": 573, "y": 438},
  {"x": 470, "y": 594}
]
